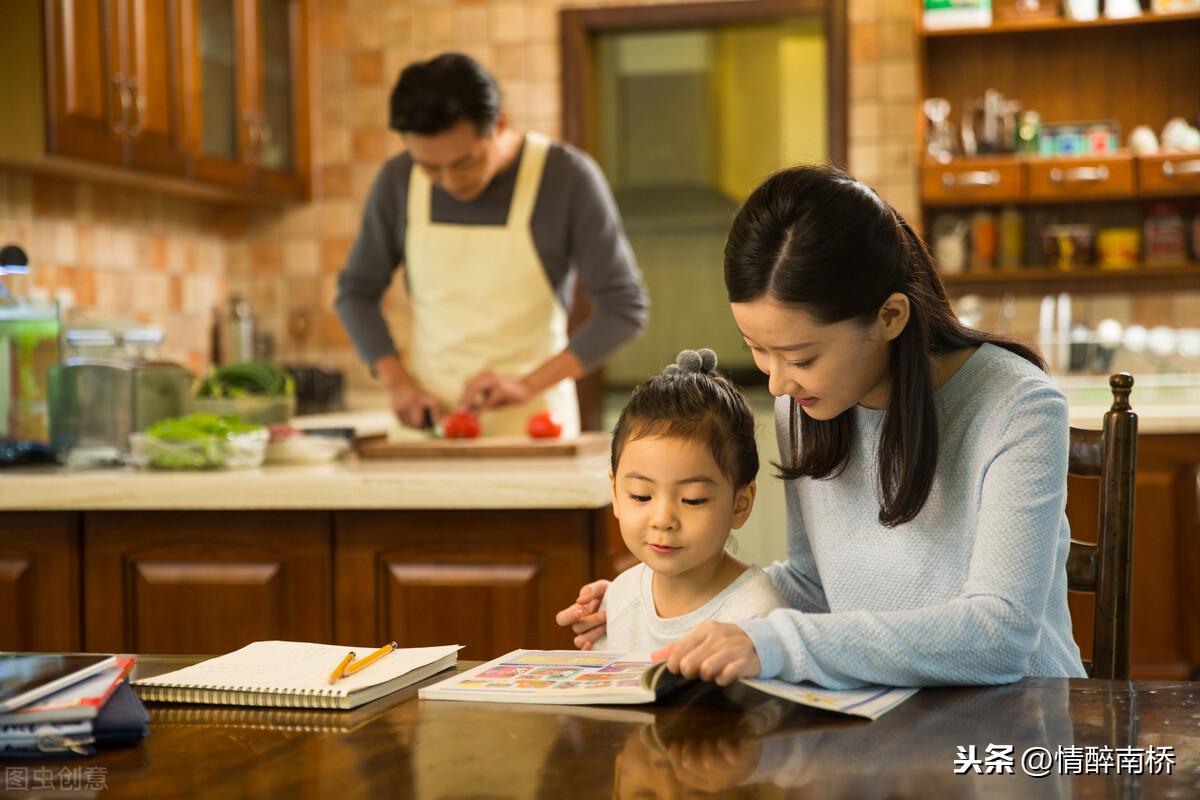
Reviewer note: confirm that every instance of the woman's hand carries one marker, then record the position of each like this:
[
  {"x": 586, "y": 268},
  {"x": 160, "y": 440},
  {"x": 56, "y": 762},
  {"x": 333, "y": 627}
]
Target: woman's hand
[
  {"x": 715, "y": 651},
  {"x": 584, "y": 616}
]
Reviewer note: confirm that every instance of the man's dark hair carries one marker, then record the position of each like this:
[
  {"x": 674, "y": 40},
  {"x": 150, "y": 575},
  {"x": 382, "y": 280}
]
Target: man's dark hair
[{"x": 433, "y": 96}]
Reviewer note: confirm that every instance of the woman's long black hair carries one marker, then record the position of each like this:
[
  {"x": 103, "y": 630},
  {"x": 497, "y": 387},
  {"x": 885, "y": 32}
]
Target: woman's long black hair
[{"x": 815, "y": 238}]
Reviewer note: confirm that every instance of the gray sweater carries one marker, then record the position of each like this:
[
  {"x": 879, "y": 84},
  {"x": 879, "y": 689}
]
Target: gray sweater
[
  {"x": 972, "y": 591},
  {"x": 576, "y": 230}
]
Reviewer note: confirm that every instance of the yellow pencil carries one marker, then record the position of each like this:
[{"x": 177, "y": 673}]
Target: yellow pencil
[
  {"x": 341, "y": 668},
  {"x": 371, "y": 659}
]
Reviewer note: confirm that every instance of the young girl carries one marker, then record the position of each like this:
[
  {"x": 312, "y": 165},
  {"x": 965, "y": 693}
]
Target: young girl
[
  {"x": 926, "y": 462},
  {"x": 683, "y": 466}
]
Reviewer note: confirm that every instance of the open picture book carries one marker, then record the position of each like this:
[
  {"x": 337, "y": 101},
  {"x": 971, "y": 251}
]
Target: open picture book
[{"x": 570, "y": 677}]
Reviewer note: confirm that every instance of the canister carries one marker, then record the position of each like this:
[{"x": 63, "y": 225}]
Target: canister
[{"x": 1118, "y": 248}]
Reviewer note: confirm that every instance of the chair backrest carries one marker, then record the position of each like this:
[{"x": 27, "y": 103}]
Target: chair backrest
[{"x": 1105, "y": 568}]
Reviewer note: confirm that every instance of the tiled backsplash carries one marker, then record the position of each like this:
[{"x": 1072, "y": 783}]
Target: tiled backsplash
[
  {"x": 173, "y": 260},
  {"x": 115, "y": 253}
]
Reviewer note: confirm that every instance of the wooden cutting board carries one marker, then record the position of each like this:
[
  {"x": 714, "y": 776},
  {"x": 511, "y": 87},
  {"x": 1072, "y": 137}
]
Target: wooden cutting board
[{"x": 484, "y": 447}]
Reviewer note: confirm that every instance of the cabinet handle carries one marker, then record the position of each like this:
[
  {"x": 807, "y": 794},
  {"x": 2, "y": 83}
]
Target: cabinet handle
[
  {"x": 119, "y": 126},
  {"x": 139, "y": 106},
  {"x": 1079, "y": 175},
  {"x": 968, "y": 179},
  {"x": 1171, "y": 170}
]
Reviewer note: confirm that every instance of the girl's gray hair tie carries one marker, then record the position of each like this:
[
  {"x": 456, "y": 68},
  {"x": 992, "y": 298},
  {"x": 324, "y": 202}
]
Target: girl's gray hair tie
[{"x": 701, "y": 361}]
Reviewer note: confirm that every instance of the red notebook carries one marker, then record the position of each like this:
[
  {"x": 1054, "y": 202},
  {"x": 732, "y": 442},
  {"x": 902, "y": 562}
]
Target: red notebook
[{"x": 80, "y": 701}]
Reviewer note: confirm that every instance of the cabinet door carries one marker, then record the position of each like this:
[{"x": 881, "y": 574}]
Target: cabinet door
[
  {"x": 216, "y": 135},
  {"x": 87, "y": 109},
  {"x": 151, "y": 82},
  {"x": 205, "y": 582},
  {"x": 278, "y": 116},
  {"x": 39, "y": 581},
  {"x": 488, "y": 580}
]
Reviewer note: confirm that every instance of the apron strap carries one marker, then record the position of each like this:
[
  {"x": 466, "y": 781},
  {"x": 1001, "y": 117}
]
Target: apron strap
[{"x": 529, "y": 180}]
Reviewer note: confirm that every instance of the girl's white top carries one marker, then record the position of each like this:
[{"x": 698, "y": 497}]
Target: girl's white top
[{"x": 634, "y": 625}]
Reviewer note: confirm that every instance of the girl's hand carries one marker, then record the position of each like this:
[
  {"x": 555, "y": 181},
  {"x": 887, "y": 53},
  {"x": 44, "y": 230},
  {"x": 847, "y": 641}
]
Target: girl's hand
[
  {"x": 715, "y": 651},
  {"x": 584, "y": 616}
]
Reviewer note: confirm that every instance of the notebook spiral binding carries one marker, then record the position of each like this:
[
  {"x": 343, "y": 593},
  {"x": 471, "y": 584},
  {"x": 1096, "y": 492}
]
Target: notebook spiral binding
[{"x": 242, "y": 696}]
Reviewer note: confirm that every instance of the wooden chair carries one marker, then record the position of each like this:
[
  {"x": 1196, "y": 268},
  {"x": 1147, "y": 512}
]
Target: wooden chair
[{"x": 1105, "y": 568}]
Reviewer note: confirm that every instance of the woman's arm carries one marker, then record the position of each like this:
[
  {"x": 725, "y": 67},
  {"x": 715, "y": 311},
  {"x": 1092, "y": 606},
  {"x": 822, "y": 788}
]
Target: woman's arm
[{"x": 989, "y": 632}]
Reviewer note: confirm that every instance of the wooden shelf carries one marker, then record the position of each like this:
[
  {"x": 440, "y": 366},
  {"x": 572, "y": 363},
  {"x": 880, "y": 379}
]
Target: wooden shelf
[
  {"x": 1059, "y": 24},
  {"x": 1039, "y": 280}
]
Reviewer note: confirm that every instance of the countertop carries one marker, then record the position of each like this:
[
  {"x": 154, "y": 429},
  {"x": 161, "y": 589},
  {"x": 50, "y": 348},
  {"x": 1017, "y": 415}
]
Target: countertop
[
  {"x": 576, "y": 482},
  {"x": 533, "y": 483}
]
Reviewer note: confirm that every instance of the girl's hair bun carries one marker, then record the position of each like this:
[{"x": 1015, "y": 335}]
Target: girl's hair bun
[{"x": 703, "y": 361}]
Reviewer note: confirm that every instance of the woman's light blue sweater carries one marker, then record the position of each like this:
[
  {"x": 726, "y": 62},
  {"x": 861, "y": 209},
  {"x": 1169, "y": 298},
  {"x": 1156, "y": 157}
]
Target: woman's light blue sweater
[{"x": 974, "y": 589}]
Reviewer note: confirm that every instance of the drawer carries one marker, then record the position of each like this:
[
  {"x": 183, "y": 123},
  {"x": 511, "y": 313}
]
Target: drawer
[
  {"x": 1070, "y": 179},
  {"x": 979, "y": 180},
  {"x": 1177, "y": 173}
]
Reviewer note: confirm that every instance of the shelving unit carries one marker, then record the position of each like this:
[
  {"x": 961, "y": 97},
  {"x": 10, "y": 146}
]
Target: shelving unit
[
  {"x": 1040, "y": 280},
  {"x": 1140, "y": 71},
  {"x": 1060, "y": 24}
]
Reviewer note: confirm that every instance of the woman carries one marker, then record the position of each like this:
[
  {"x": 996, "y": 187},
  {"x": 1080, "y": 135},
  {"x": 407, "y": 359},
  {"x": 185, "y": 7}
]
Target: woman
[{"x": 926, "y": 463}]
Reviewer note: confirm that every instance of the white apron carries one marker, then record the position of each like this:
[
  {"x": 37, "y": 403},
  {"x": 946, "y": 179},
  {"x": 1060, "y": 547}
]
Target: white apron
[{"x": 481, "y": 300}]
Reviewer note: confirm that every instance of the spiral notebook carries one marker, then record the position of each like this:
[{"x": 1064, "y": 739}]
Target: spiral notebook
[{"x": 294, "y": 675}]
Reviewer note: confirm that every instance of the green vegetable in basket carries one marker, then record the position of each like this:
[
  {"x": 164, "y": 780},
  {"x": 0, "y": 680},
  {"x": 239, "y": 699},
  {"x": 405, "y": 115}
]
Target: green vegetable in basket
[
  {"x": 198, "y": 426},
  {"x": 247, "y": 378},
  {"x": 197, "y": 441}
]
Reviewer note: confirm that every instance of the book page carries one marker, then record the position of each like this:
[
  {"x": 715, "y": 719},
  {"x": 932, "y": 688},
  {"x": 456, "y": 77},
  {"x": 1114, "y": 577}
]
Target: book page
[
  {"x": 297, "y": 667},
  {"x": 552, "y": 675},
  {"x": 871, "y": 702}
]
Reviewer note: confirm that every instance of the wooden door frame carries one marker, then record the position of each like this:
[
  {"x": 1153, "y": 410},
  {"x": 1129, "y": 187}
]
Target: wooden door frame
[
  {"x": 579, "y": 25},
  {"x": 577, "y": 28}
]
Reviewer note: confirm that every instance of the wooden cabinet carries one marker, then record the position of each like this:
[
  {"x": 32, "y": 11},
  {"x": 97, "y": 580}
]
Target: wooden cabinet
[
  {"x": 150, "y": 74},
  {"x": 1166, "y": 557},
  {"x": 244, "y": 90},
  {"x": 208, "y": 96},
  {"x": 111, "y": 83},
  {"x": 1064, "y": 70},
  {"x": 84, "y": 116},
  {"x": 212, "y": 581},
  {"x": 205, "y": 582},
  {"x": 39, "y": 581},
  {"x": 490, "y": 581}
]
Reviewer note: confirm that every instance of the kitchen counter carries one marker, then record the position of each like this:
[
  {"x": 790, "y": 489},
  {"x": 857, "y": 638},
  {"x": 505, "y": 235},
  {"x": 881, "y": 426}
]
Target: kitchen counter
[{"x": 560, "y": 483}]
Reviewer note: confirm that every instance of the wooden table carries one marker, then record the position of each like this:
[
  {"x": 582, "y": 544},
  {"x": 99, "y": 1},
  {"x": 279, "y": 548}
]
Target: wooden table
[{"x": 735, "y": 743}]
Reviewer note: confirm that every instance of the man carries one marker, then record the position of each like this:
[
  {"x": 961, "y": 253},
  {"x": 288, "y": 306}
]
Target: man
[{"x": 493, "y": 227}]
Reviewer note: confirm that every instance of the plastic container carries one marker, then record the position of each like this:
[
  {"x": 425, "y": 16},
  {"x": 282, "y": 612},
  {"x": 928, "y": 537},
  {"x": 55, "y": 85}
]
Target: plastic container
[
  {"x": 232, "y": 451},
  {"x": 260, "y": 410}
]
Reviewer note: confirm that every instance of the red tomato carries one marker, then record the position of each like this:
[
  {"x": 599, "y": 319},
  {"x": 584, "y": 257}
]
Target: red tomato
[
  {"x": 460, "y": 425},
  {"x": 543, "y": 425}
]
